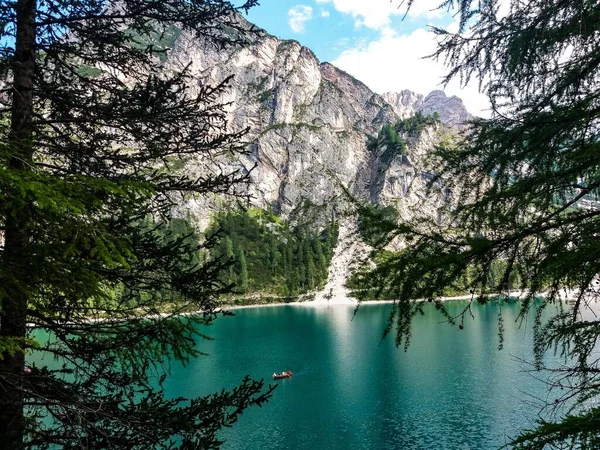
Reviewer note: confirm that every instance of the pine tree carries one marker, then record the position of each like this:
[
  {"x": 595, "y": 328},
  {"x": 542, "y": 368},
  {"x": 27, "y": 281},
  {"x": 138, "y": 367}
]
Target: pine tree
[
  {"x": 274, "y": 255},
  {"x": 525, "y": 183},
  {"x": 91, "y": 137},
  {"x": 230, "y": 257},
  {"x": 311, "y": 270},
  {"x": 290, "y": 274},
  {"x": 242, "y": 269},
  {"x": 320, "y": 260}
]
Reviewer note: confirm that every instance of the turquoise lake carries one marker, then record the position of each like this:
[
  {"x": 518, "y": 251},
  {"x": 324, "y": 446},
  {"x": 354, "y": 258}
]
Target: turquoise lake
[{"x": 451, "y": 390}]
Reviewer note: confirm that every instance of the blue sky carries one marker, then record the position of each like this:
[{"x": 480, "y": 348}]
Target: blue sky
[
  {"x": 323, "y": 28},
  {"x": 371, "y": 40}
]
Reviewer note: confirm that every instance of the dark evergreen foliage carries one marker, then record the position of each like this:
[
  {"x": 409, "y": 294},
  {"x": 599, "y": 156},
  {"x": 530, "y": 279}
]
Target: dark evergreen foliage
[
  {"x": 91, "y": 143},
  {"x": 393, "y": 138},
  {"x": 525, "y": 182},
  {"x": 416, "y": 123},
  {"x": 365, "y": 287},
  {"x": 376, "y": 222},
  {"x": 279, "y": 260}
]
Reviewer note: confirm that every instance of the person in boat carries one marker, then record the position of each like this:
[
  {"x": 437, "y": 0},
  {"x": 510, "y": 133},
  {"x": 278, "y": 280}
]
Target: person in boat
[{"x": 287, "y": 374}]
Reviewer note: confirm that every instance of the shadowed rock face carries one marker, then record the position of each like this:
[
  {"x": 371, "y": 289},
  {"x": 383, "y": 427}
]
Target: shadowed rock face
[{"x": 309, "y": 123}]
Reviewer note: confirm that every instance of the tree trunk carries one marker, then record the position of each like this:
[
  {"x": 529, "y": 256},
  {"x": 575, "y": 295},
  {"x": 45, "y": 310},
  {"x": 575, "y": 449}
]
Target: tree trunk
[{"x": 13, "y": 302}]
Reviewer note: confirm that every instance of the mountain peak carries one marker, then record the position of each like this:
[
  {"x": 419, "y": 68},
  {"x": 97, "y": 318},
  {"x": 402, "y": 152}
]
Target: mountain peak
[
  {"x": 406, "y": 103},
  {"x": 452, "y": 110}
]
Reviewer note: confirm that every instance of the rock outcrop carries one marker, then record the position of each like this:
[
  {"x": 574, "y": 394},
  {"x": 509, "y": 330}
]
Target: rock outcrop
[
  {"x": 405, "y": 103},
  {"x": 451, "y": 110}
]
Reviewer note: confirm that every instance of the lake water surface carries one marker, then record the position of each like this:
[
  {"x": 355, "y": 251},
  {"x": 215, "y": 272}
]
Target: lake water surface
[{"x": 451, "y": 390}]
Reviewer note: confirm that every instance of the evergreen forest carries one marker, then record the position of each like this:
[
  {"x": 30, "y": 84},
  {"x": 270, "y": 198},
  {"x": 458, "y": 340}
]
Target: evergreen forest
[{"x": 271, "y": 257}]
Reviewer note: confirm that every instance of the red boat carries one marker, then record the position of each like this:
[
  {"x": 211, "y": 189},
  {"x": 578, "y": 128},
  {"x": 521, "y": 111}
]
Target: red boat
[{"x": 277, "y": 376}]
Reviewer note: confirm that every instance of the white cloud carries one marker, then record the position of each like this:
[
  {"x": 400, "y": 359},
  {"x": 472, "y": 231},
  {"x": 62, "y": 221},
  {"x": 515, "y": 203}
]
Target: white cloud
[
  {"x": 503, "y": 9},
  {"x": 426, "y": 8},
  {"x": 324, "y": 13},
  {"x": 454, "y": 28},
  {"x": 298, "y": 16},
  {"x": 376, "y": 14},
  {"x": 395, "y": 62}
]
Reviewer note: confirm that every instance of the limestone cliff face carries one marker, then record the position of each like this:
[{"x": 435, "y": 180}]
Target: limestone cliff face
[
  {"x": 403, "y": 181},
  {"x": 309, "y": 123},
  {"x": 405, "y": 103},
  {"x": 451, "y": 110}
]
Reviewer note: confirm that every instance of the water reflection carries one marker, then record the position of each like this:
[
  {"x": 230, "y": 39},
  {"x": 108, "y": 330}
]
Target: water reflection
[{"x": 452, "y": 389}]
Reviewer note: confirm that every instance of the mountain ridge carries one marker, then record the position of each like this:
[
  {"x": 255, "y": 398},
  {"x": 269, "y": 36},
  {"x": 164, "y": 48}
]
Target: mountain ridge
[{"x": 309, "y": 125}]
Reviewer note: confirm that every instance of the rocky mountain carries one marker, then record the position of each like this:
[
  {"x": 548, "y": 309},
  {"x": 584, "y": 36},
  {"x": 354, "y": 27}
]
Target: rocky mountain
[
  {"x": 405, "y": 103},
  {"x": 309, "y": 125},
  {"x": 451, "y": 110}
]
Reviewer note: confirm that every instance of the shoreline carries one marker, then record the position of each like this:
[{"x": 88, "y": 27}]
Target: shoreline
[
  {"x": 350, "y": 301},
  {"x": 339, "y": 302}
]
